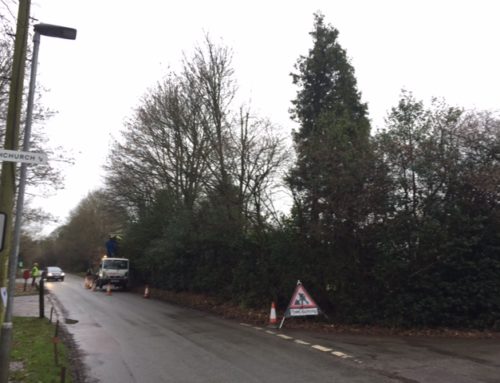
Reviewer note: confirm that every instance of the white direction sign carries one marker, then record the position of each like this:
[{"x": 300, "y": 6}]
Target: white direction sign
[{"x": 27, "y": 157}]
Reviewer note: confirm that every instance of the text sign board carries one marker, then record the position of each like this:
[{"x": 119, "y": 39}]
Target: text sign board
[
  {"x": 26, "y": 157},
  {"x": 303, "y": 312}
]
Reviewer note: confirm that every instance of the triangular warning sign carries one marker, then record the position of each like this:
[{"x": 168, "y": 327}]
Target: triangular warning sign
[
  {"x": 301, "y": 303},
  {"x": 301, "y": 299}
]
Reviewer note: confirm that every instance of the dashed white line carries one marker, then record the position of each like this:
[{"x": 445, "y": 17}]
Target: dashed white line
[
  {"x": 321, "y": 348},
  {"x": 341, "y": 354},
  {"x": 301, "y": 342},
  {"x": 315, "y": 346}
]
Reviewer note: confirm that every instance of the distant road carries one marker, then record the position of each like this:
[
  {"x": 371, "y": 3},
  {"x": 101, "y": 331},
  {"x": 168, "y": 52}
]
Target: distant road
[{"x": 126, "y": 338}]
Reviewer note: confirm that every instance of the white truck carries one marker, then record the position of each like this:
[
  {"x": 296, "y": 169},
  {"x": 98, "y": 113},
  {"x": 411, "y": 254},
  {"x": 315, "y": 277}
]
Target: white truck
[{"x": 113, "y": 271}]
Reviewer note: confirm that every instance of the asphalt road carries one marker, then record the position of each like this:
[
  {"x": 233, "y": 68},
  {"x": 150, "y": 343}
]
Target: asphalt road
[{"x": 126, "y": 338}]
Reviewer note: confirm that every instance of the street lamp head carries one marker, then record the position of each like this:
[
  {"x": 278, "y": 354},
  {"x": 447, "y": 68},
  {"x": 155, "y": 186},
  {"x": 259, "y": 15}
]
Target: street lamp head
[{"x": 56, "y": 31}]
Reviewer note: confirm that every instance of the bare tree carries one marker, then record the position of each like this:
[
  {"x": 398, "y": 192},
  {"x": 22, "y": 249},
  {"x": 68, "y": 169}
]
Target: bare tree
[
  {"x": 210, "y": 75},
  {"x": 260, "y": 155},
  {"x": 164, "y": 148},
  {"x": 187, "y": 139}
]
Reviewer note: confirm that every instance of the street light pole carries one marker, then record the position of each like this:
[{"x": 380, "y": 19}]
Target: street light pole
[{"x": 52, "y": 31}]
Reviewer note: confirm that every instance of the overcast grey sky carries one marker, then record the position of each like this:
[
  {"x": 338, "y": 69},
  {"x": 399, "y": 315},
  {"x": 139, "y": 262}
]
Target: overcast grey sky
[{"x": 437, "y": 48}]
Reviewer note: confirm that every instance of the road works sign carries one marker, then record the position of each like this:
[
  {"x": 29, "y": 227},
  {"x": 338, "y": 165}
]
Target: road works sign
[
  {"x": 26, "y": 157},
  {"x": 301, "y": 303}
]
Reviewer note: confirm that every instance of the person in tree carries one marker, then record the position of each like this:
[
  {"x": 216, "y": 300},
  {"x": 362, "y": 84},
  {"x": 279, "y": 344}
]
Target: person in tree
[{"x": 111, "y": 246}]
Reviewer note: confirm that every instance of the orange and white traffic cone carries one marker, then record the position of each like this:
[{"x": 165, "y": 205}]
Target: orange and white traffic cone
[
  {"x": 146, "y": 292},
  {"x": 273, "y": 321},
  {"x": 108, "y": 289}
]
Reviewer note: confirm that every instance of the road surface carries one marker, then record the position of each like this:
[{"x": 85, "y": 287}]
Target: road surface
[{"x": 126, "y": 338}]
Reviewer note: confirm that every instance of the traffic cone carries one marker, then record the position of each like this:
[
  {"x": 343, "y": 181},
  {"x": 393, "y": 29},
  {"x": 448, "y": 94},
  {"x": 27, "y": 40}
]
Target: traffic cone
[
  {"x": 108, "y": 289},
  {"x": 146, "y": 292},
  {"x": 272, "y": 317}
]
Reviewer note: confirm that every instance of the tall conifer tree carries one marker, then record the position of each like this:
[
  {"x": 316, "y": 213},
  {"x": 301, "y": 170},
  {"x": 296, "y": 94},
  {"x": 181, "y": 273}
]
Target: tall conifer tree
[
  {"x": 331, "y": 178},
  {"x": 332, "y": 142}
]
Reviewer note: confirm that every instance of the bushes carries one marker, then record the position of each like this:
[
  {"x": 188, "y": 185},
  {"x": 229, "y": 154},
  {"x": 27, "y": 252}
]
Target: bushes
[{"x": 454, "y": 284}]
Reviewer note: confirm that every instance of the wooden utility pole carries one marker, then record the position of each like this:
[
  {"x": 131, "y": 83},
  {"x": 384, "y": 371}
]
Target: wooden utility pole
[{"x": 8, "y": 176}]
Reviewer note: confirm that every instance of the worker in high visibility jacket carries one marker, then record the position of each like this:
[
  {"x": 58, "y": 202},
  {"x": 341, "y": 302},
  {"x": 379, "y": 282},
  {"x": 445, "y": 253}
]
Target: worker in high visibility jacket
[{"x": 35, "y": 273}]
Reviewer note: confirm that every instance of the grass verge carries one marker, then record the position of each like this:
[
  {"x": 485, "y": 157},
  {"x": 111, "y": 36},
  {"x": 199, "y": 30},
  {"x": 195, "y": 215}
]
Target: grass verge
[{"x": 33, "y": 354}]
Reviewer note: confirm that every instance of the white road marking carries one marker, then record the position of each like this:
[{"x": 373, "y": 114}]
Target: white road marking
[
  {"x": 321, "y": 348},
  {"x": 341, "y": 354},
  {"x": 301, "y": 342},
  {"x": 315, "y": 346}
]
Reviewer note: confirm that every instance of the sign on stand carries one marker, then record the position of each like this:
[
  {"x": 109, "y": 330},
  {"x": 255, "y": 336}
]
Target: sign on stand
[{"x": 301, "y": 304}]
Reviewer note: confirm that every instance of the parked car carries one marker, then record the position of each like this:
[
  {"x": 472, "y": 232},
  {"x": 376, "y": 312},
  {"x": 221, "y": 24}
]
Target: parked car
[{"x": 53, "y": 273}]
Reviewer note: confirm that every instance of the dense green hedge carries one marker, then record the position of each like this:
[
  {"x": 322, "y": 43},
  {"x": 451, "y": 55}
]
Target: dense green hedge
[{"x": 459, "y": 286}]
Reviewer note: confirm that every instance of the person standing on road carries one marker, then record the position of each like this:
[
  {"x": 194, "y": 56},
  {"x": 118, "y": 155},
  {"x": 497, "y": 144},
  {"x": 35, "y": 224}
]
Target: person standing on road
[
  {"x": 89, "y": 278},
  {"x": 35, "y": 273}
]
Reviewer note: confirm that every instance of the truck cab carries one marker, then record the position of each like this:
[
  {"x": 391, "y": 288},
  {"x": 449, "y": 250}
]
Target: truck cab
[{"x": 114, "y": 271}]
